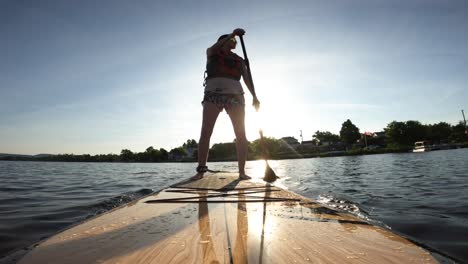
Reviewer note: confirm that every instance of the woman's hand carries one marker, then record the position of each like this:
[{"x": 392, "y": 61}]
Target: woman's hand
[
  {"x": 238, "y": 32},
  {"x": 256, "y": 103}
]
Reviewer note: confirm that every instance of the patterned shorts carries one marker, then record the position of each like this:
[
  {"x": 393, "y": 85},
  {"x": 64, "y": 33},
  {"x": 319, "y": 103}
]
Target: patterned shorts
[{"x": 224, "y": 100}]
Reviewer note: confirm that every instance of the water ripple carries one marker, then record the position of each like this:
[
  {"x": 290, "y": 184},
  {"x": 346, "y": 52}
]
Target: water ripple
[{"x": 422, "y": 196}]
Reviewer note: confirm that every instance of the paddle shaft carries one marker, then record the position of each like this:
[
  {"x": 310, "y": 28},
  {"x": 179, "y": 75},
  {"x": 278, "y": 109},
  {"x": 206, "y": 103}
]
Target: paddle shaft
[{"x": 246, "y": 59}]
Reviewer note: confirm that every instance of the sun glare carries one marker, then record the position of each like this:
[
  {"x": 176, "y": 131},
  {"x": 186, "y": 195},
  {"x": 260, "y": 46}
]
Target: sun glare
[
  {"x": 276, "y": 116},
  {"x": 274, "y": 121},
  {"x": 257, "y": 225},
  {"x": 279, "y": 115}
]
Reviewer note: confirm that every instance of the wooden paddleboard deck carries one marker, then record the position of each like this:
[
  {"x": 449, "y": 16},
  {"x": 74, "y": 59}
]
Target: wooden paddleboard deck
[{"x": 219, "y": 219}]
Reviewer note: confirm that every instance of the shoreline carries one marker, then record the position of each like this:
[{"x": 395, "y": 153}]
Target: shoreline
[{"x": 278, "y": 156}]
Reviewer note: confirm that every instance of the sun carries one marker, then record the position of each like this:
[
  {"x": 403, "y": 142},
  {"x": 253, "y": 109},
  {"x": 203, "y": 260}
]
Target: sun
[
  {"x": 277, "y": 117},
  {"x": 274, "y": 121}
]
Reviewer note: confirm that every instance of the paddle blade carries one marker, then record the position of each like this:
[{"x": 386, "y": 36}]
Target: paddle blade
[{"x": 270, "y": 175}]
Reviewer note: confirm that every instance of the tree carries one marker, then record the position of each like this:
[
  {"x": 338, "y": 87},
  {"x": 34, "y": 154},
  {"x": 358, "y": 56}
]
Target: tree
[
  {"x": 191, "y": 146},
  {"x": 177, "y": 153},
  {"x": 140, "y": 157},
  {"x": 152, "y": 155},
  {"x": 405, "y": 133},
  {"x": 325, "y": 136},
  {"x": 223, "y": 150},
  {"x": 126, "y": 155},
  {"x": 191, "y": 143},
  {"x": 458, "y": 133},
  {"x": 438, "y": 132},
  {"x": 164, "y": 154},
  {"x": 267, "y": 147},
  {"x": 394, "y": 132},
  {"x": 415, "y": 131},
  {"x": 349, "y": 133},
  {"x": 149, "y": 149}
]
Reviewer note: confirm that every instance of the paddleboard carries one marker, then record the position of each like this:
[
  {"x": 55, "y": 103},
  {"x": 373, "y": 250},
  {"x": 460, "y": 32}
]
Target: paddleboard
[{"x": 220, "y": 219}]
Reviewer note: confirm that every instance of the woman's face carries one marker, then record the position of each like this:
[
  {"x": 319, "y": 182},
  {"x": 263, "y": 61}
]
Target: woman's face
[{"x": 231, "y": 43}]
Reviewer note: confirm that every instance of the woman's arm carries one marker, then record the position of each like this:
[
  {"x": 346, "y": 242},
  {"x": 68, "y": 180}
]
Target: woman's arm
[{"x": 248, "y": 82}]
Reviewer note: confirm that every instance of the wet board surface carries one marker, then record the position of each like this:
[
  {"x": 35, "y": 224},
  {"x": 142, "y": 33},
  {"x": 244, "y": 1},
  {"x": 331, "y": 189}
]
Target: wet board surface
[{"x": 219, "y": 219}]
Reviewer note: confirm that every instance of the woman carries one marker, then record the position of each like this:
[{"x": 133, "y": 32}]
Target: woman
[{"x": 223, "y": 90}]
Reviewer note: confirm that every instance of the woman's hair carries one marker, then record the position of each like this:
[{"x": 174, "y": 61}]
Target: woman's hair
[{"x": 223, "y": 36}]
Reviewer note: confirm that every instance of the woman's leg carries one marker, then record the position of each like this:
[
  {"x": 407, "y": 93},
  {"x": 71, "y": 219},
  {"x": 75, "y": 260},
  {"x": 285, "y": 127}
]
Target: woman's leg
[
  {"x": 210, "y": 114},
  {"x": 237, "y": 115}
]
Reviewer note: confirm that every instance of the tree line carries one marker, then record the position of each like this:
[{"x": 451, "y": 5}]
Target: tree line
[
  {"x": 151, "y": 154},
  {"x": 396, "y": 136}
]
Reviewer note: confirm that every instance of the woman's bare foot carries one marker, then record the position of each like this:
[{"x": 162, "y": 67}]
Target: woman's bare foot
[
  {"x": 201, "y": 169},
  {"x": 244, "y": 177},
  {"x": 197, "y": 176}
]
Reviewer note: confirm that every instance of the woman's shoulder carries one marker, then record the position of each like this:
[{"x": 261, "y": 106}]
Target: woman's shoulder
[
  {"x": 212, "y": 52},
  {"x": 233, "y": 55},
  {"x": 237, "y": 56}
]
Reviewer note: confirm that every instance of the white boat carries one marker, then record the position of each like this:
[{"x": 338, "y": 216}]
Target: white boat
[{"x": 421, "y": 146}]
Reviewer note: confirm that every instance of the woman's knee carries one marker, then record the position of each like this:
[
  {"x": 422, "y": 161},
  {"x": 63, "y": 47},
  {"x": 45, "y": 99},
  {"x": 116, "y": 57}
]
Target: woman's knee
[{"x": 241, "y": 137}]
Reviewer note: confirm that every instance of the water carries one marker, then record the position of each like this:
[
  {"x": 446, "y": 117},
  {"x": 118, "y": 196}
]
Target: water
[{"x": 420, "y": 195}]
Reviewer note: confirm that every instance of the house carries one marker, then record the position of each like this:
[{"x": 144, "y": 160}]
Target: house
[
  {"x": 290, "y": 141},
  {"x": 372, "y": 140},
  {"x": 380, "y": 134},
  {"x": 308, "y": 144}
]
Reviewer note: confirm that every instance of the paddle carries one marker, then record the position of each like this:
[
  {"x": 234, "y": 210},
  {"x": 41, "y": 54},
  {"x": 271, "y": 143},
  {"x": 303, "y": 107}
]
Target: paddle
[{"x": 270, "y": 175}]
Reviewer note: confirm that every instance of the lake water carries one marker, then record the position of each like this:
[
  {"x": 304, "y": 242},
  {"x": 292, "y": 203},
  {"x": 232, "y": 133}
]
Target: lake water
[{"x": 423, "y": 196}]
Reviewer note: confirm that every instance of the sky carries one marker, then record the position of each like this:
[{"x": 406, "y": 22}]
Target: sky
[{"x": 101, "y": 76}]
